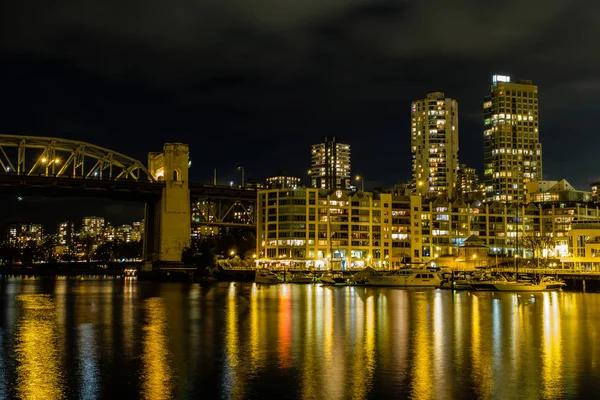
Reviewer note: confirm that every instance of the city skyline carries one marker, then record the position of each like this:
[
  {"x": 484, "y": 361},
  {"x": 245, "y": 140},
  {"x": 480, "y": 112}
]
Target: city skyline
[{"x": 341, "y": 68}]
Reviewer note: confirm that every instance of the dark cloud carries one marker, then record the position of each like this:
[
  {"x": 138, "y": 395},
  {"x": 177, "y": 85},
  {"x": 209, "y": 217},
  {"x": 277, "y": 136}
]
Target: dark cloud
[{"x": 254, "y": 83}]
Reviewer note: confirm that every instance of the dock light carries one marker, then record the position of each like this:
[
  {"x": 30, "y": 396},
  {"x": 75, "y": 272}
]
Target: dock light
[{"x": 43, "y": 159}]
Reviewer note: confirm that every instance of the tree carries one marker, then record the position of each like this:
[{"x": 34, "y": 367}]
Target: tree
[
  {"x": 201, "y": 255},
  {"x": 537, "y": 244}
]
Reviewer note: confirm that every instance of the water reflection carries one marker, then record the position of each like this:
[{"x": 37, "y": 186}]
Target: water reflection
[
  {"x": 421, "y": 368},
  {"x": 39, "y": 370},
  {"x": 552, "y": 349},
  {"x": 157, "y": 374},
  {"x": 243, "y": 341},
  {"x": 233, "y": 370},
  {"x": 88, "y": 370}
]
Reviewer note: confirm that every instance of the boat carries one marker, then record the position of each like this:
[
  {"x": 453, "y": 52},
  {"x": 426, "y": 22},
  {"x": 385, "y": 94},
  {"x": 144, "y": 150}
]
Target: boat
[
  {"x": 407, "y": 278},
  {"x": 504, "y": 285},
  {"x": 266, "y": 276},
  {"x": 553, "y": 283},
  {"x": 333, "y": 278},
  {"x": 517, "y": 286},
  {"x": 301, "y": 277}
]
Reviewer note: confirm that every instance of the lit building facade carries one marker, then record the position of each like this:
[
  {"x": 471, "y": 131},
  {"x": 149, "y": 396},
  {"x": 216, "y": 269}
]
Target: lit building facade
[
  {"x": 282, "y": 182},
  {"x": 434, "y": 144},
  {"x": 20, "y": 235},
  {"x": 330, "y": 165},
  {"x": 584, "y": 246},
  {"x": 137, "y": 231},
  {"x": 66, "y": 232},
  {"x": 512, "y": 148},
  {"x": 553, "y": 191},
  {"x": 311, "y": 228},
  {"x": 92, "y": 226},
  {"x": 322, "y": 229},
  {"x": 467, "y": 185}
]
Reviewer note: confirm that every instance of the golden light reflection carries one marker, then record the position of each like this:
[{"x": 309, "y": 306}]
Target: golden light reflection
[
  {"x": 233, "y": 384},
  {"x": 157, "y": 375},
  {"x": 255, "y": 354},
  {"x": 364, "y": 361},
  {"x": 311, "y": 352},
  {"x": 421, "y": 365},
  {"x": 330, "y": 386},
  {"x": 285, "y": 328},
  {"x": 480, "y": 360},
  {"x": 440, "y": 354},
  {"x": 128, "y": 316},
  {"x": 552, "y": 349},
  {"x": 39, "y": 369}
]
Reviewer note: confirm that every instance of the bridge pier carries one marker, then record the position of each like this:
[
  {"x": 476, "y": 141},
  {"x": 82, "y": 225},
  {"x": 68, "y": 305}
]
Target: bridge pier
[{"x": 168, "y": 220}]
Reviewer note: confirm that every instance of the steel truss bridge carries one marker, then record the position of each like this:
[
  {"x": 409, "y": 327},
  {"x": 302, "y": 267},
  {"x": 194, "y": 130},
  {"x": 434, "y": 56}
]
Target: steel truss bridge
[
  {"x": 44, "y": 166},
  {"x": 223, "y": 206}
]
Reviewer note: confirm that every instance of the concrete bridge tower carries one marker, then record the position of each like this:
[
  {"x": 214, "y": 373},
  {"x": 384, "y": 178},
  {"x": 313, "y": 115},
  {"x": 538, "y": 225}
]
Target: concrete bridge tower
[{"x": 167, "y": 223}]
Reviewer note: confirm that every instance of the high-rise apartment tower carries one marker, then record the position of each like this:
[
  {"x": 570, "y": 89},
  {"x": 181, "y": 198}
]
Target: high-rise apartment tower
[
  {"x": 434, "y": 139},
  {"x": 330, "y": 166},
  {"x": 512, "y": 148}
]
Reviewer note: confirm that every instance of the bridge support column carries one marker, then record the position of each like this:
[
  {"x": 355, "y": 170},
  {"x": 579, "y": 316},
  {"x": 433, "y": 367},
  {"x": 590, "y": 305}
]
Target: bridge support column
[{"x": 168, "y": 220}]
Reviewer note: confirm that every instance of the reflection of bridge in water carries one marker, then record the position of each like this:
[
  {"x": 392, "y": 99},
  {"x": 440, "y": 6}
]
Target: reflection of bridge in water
[{"x": 60, "y": 167}]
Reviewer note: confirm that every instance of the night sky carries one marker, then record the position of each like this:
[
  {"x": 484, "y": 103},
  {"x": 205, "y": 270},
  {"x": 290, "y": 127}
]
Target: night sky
[{"x": 255, "y": 83}]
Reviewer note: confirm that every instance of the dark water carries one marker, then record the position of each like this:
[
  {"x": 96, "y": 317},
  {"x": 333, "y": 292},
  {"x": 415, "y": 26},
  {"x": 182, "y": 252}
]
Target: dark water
[{"x": 128, "y": 339}]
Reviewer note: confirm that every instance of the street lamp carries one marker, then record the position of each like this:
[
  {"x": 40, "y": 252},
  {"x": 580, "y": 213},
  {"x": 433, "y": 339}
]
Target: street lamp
[
  {"x": 242, "y": 170},
  {"x": 362, "y": 182},
  {"x": 474, "y": 257}
]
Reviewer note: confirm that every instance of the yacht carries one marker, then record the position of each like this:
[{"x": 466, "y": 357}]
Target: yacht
[
  {"x": 333, "y": 278},
  {"x": 407, "y": 278},
  {"x": 301, "y": 277},
  {"x": 266, "y": 276},
  {"x": 516, "y": 286},
  {"x": 505, "y": 285},
  {"x": 553, "y": 283}
]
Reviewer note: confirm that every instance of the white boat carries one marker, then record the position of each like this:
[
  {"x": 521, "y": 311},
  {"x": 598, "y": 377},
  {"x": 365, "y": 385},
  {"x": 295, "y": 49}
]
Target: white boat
[
  {"x": 301, "y": 277},
  {"x": 553, "y": 283},
  {"x": 545, "y": 284},
  {"x": 266, "y": 276},
  {"x": 407, "y": 278},
  {"x": 333, "y": 278}
]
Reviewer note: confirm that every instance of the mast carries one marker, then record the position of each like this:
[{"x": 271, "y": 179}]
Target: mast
[{"x": 517, "y": 254}]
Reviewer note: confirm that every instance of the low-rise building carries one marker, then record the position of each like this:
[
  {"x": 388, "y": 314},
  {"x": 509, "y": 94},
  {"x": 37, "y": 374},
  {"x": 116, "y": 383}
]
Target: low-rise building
[
  {"x": 346, "y": 229},
  {"x": 317, "y": 228}
]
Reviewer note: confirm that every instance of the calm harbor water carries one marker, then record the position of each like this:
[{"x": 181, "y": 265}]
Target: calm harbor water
[{"x": 128, "y": 339}]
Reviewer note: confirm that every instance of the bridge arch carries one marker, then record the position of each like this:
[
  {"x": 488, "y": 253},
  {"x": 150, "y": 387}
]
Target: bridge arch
[{"x": 49, "y": 156}]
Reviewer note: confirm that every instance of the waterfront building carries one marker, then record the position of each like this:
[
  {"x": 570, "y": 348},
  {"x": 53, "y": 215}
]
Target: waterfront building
[
  {"x": 343, "y": 229},
  {"x": 512, "y": 148},
  {"x": 434, "y": 144},
  {"x": 323, "y": 229},
  {"x": 282, "y": 182},
  {"x": 330, "y": 164},
  {"x": 584, "y": 246}
]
